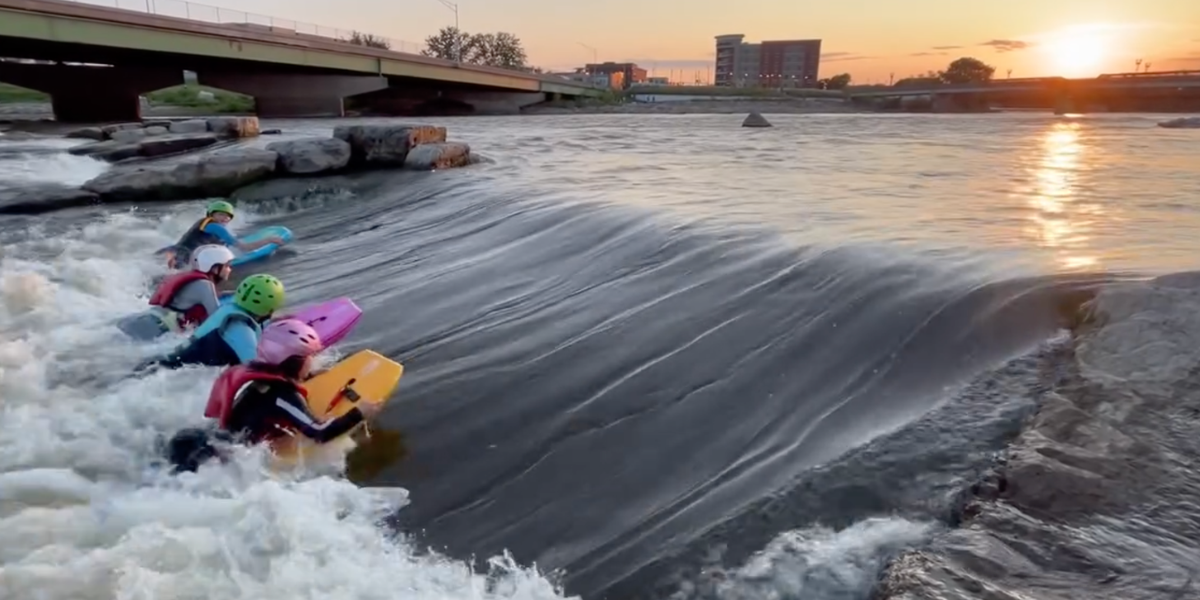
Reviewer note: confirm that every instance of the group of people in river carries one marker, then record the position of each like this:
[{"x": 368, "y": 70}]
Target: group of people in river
[{"x": 260, "y": 396}]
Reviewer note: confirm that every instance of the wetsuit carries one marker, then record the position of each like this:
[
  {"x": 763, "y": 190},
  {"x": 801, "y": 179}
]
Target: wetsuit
[
  {"x": 253, "y": 406},
  {"x": 259, "y": 406},
  {"x": 181, "y": 301},
  {"x": 227, "y": 337},
  {"x": 204, "y": 231}
]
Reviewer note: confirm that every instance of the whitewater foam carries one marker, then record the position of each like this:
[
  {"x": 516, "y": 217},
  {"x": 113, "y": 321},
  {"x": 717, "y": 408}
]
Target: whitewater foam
[{"x": 87, "y": 510}]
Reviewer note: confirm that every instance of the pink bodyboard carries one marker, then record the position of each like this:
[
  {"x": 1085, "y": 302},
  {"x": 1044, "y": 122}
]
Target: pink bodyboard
[{"x": 333, "y": 320}]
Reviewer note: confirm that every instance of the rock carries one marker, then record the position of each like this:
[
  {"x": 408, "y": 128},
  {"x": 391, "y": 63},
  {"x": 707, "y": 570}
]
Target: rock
[
  {"x": 171, "y": 144},
  {"x": 87, "y": 133},
  {"x": 109, "y": 129},
  {"x": 217, "y": 174},
  {"x": 234, "y": 127},
  {"x": 311, "y": 155},
  {"x": 128, "y": 135},
  {"x": 756, "y": 120},
  {"x": 164, "y": 123},
  {"x": 1181, "y": 123},
  {"x": 386, "y": 145},
  {"x": 108, "y": 150},
  {"x": 438, "y": 155},
  {"x": 44, "y": 198},
  {"x": 189, "y": 126},
  {"x": 115, "y": 150},
  {"x": 271, "y": 132},
  {"x": 157, "y": 130}
]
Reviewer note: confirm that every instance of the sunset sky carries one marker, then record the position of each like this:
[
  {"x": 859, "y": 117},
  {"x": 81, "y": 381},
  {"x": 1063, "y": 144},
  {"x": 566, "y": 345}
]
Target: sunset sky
[{"x": 868, "y": 38}]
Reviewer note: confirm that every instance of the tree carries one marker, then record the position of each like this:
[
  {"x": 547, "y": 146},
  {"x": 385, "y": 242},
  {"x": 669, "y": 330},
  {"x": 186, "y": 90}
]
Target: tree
[
  {"x": 967, "y": 70},
  {"x": 446, "y": 43},
  {"x": 501, "y": 49},
  {"x": 368, "y": 40},
  {"x": 837, "y": 82}
]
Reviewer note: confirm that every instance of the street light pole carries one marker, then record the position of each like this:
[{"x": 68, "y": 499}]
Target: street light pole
[
  {"x": 594, "y": 59},
  {"x": 457, "y": 32}
]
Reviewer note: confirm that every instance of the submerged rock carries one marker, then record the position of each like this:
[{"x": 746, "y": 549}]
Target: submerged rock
[
  {"x": 439, "y": 155},
  {"x": 386, "y": 145},
  {"x": 43, "y": 199},
  {"x": 1181, "y": 123},
  {"x": 311, "y": 155},
  {"x": 756, "y": 120},
  {"x": 217, "y": 174}
]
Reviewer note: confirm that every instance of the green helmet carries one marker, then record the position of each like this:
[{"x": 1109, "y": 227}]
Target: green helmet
[
  {"x": 259, "y": 295},
  {"x": 220, "y": 206}
]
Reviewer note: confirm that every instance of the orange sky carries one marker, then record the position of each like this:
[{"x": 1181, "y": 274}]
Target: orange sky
[{"x": 871, "y": 39}]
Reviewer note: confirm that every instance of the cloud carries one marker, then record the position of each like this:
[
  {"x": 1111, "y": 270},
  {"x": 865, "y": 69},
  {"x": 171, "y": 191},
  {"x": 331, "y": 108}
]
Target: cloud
[
  {"x": 844, "y": 56},
  {"x": 1006, "y": 45},
  {"x": 946, "y": 47},
  {"x": 929, "y": 54}
]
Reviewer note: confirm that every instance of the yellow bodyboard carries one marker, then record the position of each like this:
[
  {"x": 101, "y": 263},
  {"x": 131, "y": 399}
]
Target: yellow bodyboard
[{"x": 370, "y": 376}]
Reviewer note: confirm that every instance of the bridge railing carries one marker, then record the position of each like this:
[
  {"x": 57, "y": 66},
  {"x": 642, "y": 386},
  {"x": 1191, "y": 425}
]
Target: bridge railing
[{"x": 195, "y": 11}]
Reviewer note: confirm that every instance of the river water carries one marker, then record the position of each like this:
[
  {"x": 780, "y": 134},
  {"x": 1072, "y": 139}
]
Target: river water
[{"x": 637, "y": 349}]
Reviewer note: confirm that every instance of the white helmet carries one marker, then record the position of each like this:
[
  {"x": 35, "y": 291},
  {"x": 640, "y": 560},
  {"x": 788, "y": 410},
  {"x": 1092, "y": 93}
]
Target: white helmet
[{"x": 208, "y": 256}]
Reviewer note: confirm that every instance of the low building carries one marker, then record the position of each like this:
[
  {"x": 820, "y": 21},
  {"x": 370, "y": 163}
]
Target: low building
[
  {"x": 621, "y": 75},
  {"x": 774, "y": 64}
]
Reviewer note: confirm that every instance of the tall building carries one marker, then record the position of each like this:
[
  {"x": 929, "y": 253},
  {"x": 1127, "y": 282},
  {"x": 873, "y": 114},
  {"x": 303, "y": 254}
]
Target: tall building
[
  {"x": 782, "y": 63},
  {"x": 626, "y": 74}
]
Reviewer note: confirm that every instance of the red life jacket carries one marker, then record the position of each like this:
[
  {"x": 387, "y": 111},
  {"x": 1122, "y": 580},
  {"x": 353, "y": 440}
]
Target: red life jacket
[
  {"x": 223, "y": 396},
  {"x": 169, "y": 287}
]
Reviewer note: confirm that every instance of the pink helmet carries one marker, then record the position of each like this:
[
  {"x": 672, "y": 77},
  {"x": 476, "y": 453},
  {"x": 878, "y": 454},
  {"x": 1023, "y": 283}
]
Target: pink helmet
[{"x": 286, "y": 338}]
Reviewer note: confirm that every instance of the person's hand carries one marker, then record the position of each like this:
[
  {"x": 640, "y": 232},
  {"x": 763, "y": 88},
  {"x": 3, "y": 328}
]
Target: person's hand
[
  {"x": 171, "y": 260},
  {"x": 369, "y": 410}
]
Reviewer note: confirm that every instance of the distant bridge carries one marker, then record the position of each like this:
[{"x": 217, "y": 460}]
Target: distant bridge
[{"x": 1065, "y": 93}]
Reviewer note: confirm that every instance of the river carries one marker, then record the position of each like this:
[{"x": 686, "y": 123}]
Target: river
[{"x": 636, "y": 347}]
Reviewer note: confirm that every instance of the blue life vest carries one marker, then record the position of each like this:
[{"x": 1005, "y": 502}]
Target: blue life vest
[{"x": 218, "y": 319}]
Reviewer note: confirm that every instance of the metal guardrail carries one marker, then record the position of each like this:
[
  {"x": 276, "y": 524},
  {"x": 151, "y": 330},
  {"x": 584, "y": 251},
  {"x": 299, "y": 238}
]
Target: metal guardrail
[{"x": 206, "y": 13}]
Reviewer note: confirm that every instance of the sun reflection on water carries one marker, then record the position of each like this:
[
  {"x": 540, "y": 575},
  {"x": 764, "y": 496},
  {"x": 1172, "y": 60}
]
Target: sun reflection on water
[{"x": 1062, "y": 220}]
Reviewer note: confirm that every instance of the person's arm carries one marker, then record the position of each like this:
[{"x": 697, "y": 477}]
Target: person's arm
[
  {"x": 229, "y": 239},
  {"x": 241, "y": 340},
  {"x": 291, "y": 410}
]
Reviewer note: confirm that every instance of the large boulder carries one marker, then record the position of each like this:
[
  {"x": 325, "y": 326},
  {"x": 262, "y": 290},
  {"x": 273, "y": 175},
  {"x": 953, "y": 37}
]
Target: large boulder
[
  {"x": 44, "y": 198},
  {"x": 128, "y": 135},
  {"x": 438, "y": 155},
  {"x": 755, "y": 119},
  {"x": 386, "y": 145},
  {"x": 189, "y": 126},
  {"x": 234, "y": 127},
  {"x": 109, "y": 129},
  {"x": 157, "y": 130},
  {"x": 87, "y": 133},
  {"x": 311, "y": 155},
  {"x": 116, "y": 150},
  {"x": 217, "y": 174}
]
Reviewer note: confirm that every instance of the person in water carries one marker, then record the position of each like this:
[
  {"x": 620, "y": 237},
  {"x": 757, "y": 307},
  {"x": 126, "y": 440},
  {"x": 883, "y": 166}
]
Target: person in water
[
  {"x": 265, "y": 400},
  {"x": 230, "y": 335},
  {"x": 186, "y": 299},
  {"x": 212, "y": 230}
]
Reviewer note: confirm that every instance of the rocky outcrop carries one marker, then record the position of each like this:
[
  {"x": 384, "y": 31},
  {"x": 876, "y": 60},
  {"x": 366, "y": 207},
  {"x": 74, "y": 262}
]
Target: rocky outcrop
[
  {"x": 386, "y": 145},
  {"x": 234, "y": 127},
  {"x": 311, "y": 155},
  {"x": 1097, "y": 498},
  {"x": 122, "y": 141},
  {"x": 189, "y": 126},
  {"x": 439, "y": 155},
  {"x": 218, "y": 174},
  {"x": 43, "y": 199},
  {"x": 1181, "y": 123},
  {"x": 756, "y": 120}
]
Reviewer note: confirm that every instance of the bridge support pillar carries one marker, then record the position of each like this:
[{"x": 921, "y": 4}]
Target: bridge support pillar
[
  {"x": 91, "y": 94},
  {"x": 289, "y": 95},
  {"x": 1065, "y": 103}
]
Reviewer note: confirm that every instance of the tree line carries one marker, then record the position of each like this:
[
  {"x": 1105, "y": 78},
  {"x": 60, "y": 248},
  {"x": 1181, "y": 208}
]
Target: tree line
[{"x": 962, "y": 70}]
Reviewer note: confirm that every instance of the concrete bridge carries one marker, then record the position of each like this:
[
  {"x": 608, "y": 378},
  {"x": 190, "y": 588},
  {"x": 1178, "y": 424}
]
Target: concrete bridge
[
  {"x": 1168, "y": 90},
  {"x": 289, "y": 74}
]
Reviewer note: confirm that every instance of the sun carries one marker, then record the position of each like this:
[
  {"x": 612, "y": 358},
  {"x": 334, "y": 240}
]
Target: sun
[{"x": 1076, "y": 54}]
